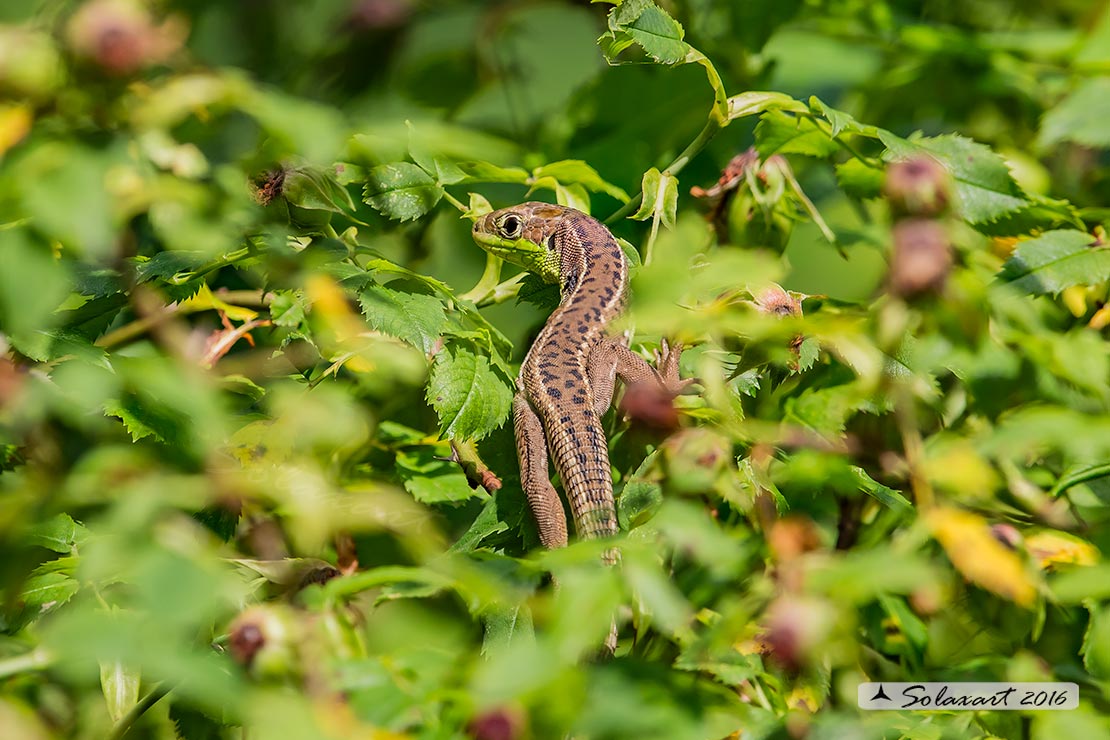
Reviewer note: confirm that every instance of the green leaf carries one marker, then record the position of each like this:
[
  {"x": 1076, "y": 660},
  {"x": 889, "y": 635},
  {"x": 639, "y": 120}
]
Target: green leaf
[
  {"x": 985, "y": 189},
  {"x": 781, "y": 133},
  {"x": 401, "y": 191},
  {"x": 660, "y": 197},
  {"x": 48, "y": 588},
  {"x": 577, "y": 172},
  {"x": 471, "y": 399},
  {"x": 120, "y": 685},
  {"x": 730, "y": 667},
  {"x": 486, "y": 172},
  {"x": 1055, "y": 261},
  {"x": 32, "y": 284},
  {"x": 646, "y": 24},
  {"x": 1079, "y": 584},
  {"x": 487, "y": 524},
  {"x": 93, "y": 317},
  {"x": 862, "y": 576},
  {"x": 431, "y": 479},
  {"x": 534, "y": 290},
  {"x": 64, "y": 189},
  {"x": 1096, "y": 47},
  {"x": 886, "y": 496},
  {"x": 841, "y": 121},
  {"x": 859, "y": 180},
  {"x": 59, "y": 533},
  {"x": 287, "y": 308},
  {"x": 505, "y": 626},
  {"x": 417, "y": 318},
  {"x": 808, "y": 352},
  {"x": 657, "y": 595},
  {"x": 1085, "y": 722},
  {"x": 166, "y": 265},
  {"x": 190, "y": 724},
  {"x": 759, "y": 101},
  {"x": 316, "y": 189},
  {"x": 1080, "y": 117},
  {"x": 144, "y": 419},
  {"x": 637, "y": 503}
]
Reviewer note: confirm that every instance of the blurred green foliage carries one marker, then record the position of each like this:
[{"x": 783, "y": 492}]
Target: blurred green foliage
[{"x": 255, "y": 476}]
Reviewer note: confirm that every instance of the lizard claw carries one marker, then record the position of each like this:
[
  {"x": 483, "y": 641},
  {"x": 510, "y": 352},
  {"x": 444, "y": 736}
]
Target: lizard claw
[{"x": 666, "y": 363}]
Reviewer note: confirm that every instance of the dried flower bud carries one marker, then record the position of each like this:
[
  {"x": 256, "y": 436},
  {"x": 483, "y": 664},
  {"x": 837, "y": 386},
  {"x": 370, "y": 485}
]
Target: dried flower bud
[
  {"x": 380, "y": 14},
  {"x": 268, "y": 186},
  {"x": 795, "y": 627},
  {"x": 927, "y": 600},
  {"x": 1007, "y": 534},
  {"x": 264, "y": 639},
  {"x": 500, "y": 723},
  {"x": 778, "y": 302},
  {"x": 791, "y": 537},
  {"x": 921, "y": 258},
  {"x": 121, "y": 37},
  {"x": 11, "y": 381},
  {"x": 917, "y": 187},
  {"x": 651, "y": 406}
]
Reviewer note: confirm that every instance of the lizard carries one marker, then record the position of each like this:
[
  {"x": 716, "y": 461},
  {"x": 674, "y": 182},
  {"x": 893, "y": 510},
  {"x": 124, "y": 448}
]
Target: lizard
[{"x": 567, "y": 378}]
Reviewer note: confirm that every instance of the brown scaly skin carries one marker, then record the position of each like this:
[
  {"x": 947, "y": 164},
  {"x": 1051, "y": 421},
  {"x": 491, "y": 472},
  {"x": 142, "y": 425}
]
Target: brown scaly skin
[{"x": 566, "y": 380}]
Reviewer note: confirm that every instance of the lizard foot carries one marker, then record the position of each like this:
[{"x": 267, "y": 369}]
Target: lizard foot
[{"x": 666, "y": 363}]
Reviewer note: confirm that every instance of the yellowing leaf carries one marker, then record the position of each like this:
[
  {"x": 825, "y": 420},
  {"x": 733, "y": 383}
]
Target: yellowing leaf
[
  {"x": 1050, "y": 547},
  {"x": 15, "y": 123},
  {"x": 205, "y": 299},
  {"x": 958, "y": 468},
  {"x": 804, "y": 698},
  {"x": 981, "y": 558},
  {"x": 330, "y": 307}
]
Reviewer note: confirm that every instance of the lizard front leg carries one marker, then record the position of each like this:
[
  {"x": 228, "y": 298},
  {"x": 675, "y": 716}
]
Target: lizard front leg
[
  {"x": 531, "y": 449},
  {"x": 610, "y": 359}
]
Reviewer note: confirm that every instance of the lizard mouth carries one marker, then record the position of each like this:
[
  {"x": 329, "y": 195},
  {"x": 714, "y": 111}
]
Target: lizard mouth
[{"x": 521, "y": 252}]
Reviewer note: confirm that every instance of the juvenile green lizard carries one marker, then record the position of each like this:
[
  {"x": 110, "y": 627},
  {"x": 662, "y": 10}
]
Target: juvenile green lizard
[{"x": 566, "y": 380}]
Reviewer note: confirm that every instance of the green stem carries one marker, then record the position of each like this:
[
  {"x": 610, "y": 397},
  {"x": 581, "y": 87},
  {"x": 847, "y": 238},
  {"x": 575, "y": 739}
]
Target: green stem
[
  {"x": 712, "y": 126},
  {"x": 127, "y": 721},
  {"x": 1081, "y": 476},
  {"x": 487, "y": 283},
  {"x": 826, "y": 128},
  {"x": 139, "y": 327},
  {"x": 454, "y": 201},
  {"x": 35, "y": 660},
  {"x": 651, "y": 237},
  {"x": 503, "y": 291},
  {"x": 808, "y": 205},
  {"x": 216, "y": 264}
]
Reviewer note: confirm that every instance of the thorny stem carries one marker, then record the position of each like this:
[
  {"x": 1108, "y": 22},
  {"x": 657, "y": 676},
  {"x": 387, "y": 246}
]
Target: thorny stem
[{"x": 141, "y": 326}]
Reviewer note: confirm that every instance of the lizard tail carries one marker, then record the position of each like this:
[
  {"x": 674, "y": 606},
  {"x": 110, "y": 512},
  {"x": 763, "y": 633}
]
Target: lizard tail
[{"x": 581, "y": 457}]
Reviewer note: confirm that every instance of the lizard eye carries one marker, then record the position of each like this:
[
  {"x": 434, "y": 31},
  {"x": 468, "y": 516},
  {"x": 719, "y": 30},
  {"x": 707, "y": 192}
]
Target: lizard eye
[{"x": 511, "y": 226}]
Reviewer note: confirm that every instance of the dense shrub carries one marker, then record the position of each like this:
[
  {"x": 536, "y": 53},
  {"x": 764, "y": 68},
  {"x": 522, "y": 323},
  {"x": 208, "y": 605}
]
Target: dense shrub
[{"x": 255, "y": 475}]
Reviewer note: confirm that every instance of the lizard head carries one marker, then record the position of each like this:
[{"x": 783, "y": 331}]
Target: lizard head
[{"x": 524, "y": 235}]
